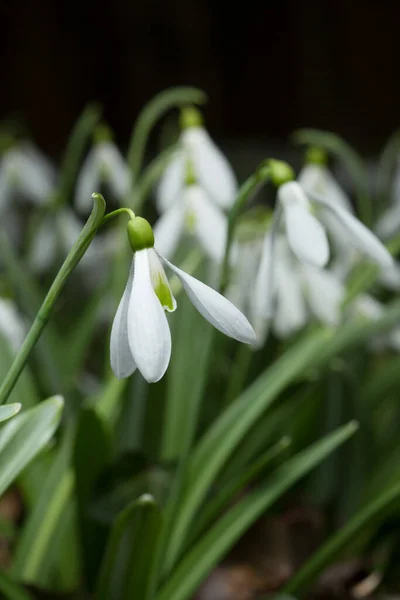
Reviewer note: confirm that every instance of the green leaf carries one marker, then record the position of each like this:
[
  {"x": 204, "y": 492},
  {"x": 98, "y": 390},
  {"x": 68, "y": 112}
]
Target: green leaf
[
  {"x": 9, "y": 410},
  {"x": 335, "y": 546},
  {"x": 11, "y": 590},
  {"x": 197, "y": 563},
  {"x": 125, "y": 568},
  {"x": 24, "y": 436}
]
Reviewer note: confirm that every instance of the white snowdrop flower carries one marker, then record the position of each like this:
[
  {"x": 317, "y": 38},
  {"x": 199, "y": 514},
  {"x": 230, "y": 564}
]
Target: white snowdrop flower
[
  {"x": 140, "y": 336},
  {"x": 289, "y": 293},
  {"x": 303, "y": 215},
  {"x": 316, "y": 179},
  {"x": 24, "y": 170},
  {"x": 12, "y": 326},
  {"x": 103, "y": 164},
  {"x": 192, "y": 212},
  {"x": 389, "y": 223},
  {"x": 212, "y": 171}
]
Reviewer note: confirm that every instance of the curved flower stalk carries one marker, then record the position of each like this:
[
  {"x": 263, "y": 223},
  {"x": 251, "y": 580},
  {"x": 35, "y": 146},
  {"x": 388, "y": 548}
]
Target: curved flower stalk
[
  {"x": 288, "y": 293},
  {"x": 57, "y": 234},
  {"x": 211, "y": 169},
  {"x": 389, "y": 223},
  {"x": 140, "y": 336},
  {"x": 12, "y": 326},
  {"x": 25, "y": 170},
  {"x": 103, "y": 165}
]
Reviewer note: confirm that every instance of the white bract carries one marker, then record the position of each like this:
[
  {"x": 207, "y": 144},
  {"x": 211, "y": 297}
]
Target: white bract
[
  {"x": 303, "y": 216},
  {"x": 12, "y": 326},
  {"x": 140, "y": 336},
  {"x": 103, "y": 164},
  {"x": 24, "y": 170},
  {"x": 195, "y": 213},
  {"x": 211, "y": 169}
]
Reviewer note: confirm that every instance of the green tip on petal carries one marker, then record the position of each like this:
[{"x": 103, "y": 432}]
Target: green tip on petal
[
  {"x": 190, "y": 117},
  {"x": 7, "y": 141},
  {"x": 316, "y": 156},
  {"x": 190, "y": 177},
  {"x": 140, "y": 234},
  {"x": 102, "y": 133},
  {"x": 164, "y": 294},
  {"x": 280, "y": 172}
]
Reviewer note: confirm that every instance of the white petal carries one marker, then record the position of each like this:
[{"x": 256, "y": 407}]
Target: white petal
[
  {"x": 208, "y": 221},
  {"x": 262, "y": 300},
  {"x": 390, "y": 277},
  {"x": 212, "y": 169},
  {"x": 290, "y": 312},
  {"x": 389, "y": 223},
  {"x": 11, "y": 324},
  {"x": 306, "y": 236},
  {"x": 318, "y": 180},
  {"x": 325, "y": 294},
  {"x": 43, "y": 249},
  {"x": 88, "y": 181},
  {"x": 360, "y": 236},
  {"x": 171, "y": 183},
  {"x": 116, "y": 170},
  {"x": 121, "y": 358},
  {"x": 148, "y": 330},
  {"x": 244, "y": 273},
  {"x": 32, "y": 180},
  {"x": 216, "y": 309},
  {"x": 368, "y": 307},
  {"x": 168, "y": 229}
]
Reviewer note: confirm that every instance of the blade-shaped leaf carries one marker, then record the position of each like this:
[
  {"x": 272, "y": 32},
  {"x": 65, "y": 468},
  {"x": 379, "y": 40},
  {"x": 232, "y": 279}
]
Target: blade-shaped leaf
[
  {"x": 11, "y": 590},
  {"x": 197, "y": 563},
  {"x": 9, "y": 410}
]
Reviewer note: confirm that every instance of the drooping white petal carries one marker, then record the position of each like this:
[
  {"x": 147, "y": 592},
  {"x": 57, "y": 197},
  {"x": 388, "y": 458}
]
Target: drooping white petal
[
  {"x": 389, "y": 223},
  {"x": 306, "y": 236},
  {"x": 31, "y": 179},
  {"x": 43, "y": 249},
  {"x": 244, "y": 273},
  {"x": 148, "y": 330},
  {"x": 212, "y": 169},
  {"x": 262, "y": 300},
  {"x": 88, "y": 181},
  {"x": 290, "y": 312},
  {"x": 216, "y": 309},
  {"x": 11, "y": 324},
  {"x": 325, "y": 294},
  {"x": 41, "y": 161},
  {"x": 171, "y": 183},
  {"x": 115, "y": 169},
  {"x": 122, "y": 362},
  {"x": 168, "y": 229},
  {"x": 360, "y": 236},
  {"x": 208, "y": 222},
  {"x": 317, "y": 179}
]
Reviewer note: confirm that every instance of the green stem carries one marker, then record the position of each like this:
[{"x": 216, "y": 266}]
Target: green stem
[
  {"x": 353, "y": 162},
  {"x": 151, "y": 175},
  {"x": 152, "y": 112},
  {"x": 119, "y": 211},
  {"x": 249, "y": 187},
  {"x": 42, "y": 317},
  {"x": 337, "y": 544}
]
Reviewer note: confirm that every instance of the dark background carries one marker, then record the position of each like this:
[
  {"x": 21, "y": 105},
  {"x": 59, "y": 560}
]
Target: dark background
[{"x": 268, "y": 67}]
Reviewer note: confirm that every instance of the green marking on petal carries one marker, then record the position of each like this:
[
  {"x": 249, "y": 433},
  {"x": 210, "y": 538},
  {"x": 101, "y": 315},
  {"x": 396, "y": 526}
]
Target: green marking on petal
[
  {"x": 190, "y": 221},
  {"x": 164, "y": 293}
]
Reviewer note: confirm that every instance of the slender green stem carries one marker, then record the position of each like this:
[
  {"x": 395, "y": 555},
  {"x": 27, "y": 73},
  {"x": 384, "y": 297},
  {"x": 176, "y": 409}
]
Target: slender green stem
[
  {"x": 336, "y": 544},
  {"x": 246, "y": 191},
  {"x": 42, "y": 317},
  {"x": 117, "y": 212},
  {"x": 152, "y": 112},
  {"x": 352, "y": 161}
]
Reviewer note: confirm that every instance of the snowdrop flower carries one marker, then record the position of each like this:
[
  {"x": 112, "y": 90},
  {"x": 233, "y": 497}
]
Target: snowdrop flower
[
  {"x": 211, "y": 169},
  {"x": 140, "y": 336},
  {"x": 389, "y": 223},
  {"x": 289, "y": 293},
  {"x": 23, "y": 169},
  {"x": 12, "y": 327},
  {"x": 303, "y": 214},
  {"x": 57, "y": 233},
  {"x": 103, "y": 164},
  {"x": 194, "y": 213}
]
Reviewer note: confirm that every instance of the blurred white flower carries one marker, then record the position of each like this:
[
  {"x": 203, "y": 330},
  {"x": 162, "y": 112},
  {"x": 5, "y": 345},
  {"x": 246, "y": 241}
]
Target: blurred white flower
[
  {"x": 212, "y": 171},
  {"x": 140, "y": 337},
  {"x": 25, "y": 170},
  {"x": 12, "y": 326},
  {"x": 370, "y": 308},
  {"x": 103, "y": 164},
  {"x": 307, "y": 236},
  {"x": 193, "y": 212},
  {"x": 389, "y": 223}
]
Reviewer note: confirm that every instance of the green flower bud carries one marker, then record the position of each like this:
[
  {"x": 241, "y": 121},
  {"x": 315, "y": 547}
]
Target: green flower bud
[
  {"x": 315, "y": 155},
  {"x": 190, "y": 117},
  {"x": 280, "y": 172},
  {"x": 102, "y": 133},
  {"x": 140, "y": 234}
]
